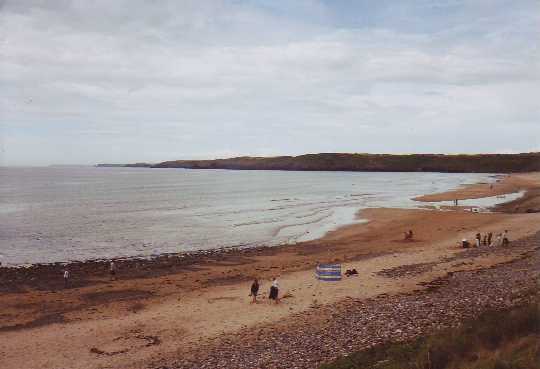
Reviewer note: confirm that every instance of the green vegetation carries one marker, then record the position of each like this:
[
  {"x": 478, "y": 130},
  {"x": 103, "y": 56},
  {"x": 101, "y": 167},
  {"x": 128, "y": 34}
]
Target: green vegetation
[
  {"x": 496, "y": 340},
  {"x": 487, "y": 163}
]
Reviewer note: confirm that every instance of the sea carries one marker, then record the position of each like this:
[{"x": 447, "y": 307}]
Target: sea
[{"x": 63, "y": 214}]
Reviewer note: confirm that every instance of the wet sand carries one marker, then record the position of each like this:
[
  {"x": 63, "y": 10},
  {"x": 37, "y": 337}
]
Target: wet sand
[
  {"x": 503, "y": 185},
  {"x": 158, "y": 306}
]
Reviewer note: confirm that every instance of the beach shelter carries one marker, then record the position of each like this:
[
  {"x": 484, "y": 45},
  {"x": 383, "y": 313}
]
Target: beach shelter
[{"x": 328, "y": 272}]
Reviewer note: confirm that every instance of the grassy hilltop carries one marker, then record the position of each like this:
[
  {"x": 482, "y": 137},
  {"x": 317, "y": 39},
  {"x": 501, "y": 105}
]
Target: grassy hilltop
[{"x": 486, "y": 163}]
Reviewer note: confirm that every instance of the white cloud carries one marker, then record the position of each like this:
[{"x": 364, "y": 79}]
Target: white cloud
[{"x": 132, "y": 81}]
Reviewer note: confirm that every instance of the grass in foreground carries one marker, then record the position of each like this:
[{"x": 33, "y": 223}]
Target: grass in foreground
[{"x": 496, "y": 340}]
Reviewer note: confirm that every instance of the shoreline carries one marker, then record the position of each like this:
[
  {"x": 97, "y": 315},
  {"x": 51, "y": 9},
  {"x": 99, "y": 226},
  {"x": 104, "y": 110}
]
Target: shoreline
[
  {"x": 356, "y": 219},
  {"x": 177, "y": 312},
  {"x": 503, "y": 185},
  {"x": 37, "y": 275},
  {"x": 155, "y": 308}
]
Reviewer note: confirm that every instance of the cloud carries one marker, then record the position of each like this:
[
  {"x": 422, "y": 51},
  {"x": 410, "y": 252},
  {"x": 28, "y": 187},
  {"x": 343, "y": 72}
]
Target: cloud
[{"x": 136, "y": 80}]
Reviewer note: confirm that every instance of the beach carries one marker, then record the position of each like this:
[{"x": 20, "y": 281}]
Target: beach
[{"x": 175, "y": 311}]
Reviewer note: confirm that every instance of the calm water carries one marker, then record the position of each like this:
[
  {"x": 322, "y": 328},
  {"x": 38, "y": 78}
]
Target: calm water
[{"x": 62, "y": 214}]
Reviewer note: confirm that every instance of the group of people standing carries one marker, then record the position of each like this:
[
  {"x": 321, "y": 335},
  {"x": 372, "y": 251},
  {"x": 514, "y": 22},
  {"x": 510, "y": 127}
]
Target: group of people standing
[
  {"x": 487, "y": 240},
  {"x": 274, "y": 291}
]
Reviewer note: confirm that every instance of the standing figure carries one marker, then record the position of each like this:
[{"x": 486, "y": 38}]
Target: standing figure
[
  {"x": 484, "y": 240},
  {"x": 254, "y": 290},
  {"x": 274, "y": 291},
  {"x": 112, "y": 271},
  {"x": 66, "y": 278},
  {"x": 490, "y": 236},
  {"x": 478, "y": 239},
  {"x": 505, "y": 240}
]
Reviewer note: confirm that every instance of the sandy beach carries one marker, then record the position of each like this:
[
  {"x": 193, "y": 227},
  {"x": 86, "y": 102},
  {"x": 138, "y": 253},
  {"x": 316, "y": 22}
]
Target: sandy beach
[{"x": 159, "y": 312}]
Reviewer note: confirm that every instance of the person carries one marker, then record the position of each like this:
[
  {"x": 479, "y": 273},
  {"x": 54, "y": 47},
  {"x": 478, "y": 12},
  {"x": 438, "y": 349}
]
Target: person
[
  {"x": 274, "y": 291},
  {"x": 498, "y": 242},
  {"x": 254, "y": 290},
  {"x": 112, "y": 271},
  {"x": 465, "y": 244},
  {"x": 66, "y": 278},
  {"x": 490, "y": 236},
  {"x": 505, "y": 240},
  {"x": 484, "y": 240},
  {"x": 409, "y": 235},
  {"x": 478, "y": 239},
  {"x": 351, "y": 272}
]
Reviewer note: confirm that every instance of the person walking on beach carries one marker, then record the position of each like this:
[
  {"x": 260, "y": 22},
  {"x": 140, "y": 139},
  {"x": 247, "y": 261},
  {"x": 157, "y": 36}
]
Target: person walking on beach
[
  {"x": 254, "y": 290},
  {"x": 112, "y": 271},
  {"x": 274, "y": 291},
  {"x": 66, "y": 278},
  {"x": 478, "y": 239},
  {"x": 498, "y": 241},
  {"x": 490, "y": 236},
  {"x": 505, "y": 240}
]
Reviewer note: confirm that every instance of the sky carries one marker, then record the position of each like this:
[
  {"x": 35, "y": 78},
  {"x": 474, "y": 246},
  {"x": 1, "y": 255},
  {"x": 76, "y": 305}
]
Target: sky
[{"x": 85, "y": 82}]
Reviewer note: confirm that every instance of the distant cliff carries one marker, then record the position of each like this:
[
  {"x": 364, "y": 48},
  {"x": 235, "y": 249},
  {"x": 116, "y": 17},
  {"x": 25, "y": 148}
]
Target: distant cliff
[
  {"x": 136, "y": 165},
  {"x": 482, "y": 163}
]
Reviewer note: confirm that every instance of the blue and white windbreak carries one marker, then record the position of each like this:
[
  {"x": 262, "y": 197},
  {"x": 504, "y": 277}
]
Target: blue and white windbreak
[{"x": 328, "y": 272}]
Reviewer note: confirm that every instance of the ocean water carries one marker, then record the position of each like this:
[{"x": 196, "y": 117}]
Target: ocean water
[{"x": 65, "y": 214}]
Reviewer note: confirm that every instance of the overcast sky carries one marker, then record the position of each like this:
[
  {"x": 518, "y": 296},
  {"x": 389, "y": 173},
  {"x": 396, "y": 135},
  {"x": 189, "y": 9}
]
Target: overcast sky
[{"x": 125, "y": 81}]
